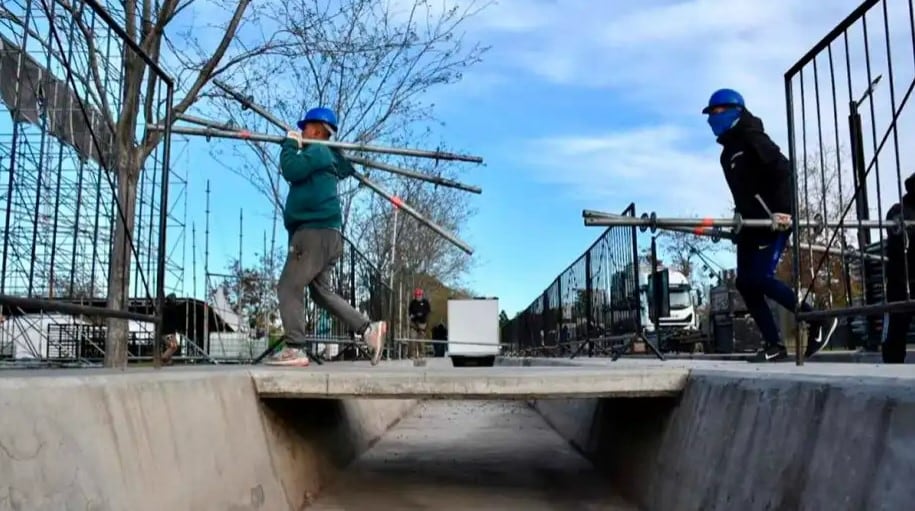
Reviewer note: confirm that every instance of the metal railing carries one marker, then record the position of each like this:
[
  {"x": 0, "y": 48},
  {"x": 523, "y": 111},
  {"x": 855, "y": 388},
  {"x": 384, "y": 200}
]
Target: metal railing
[
  {"x": 63, "y": 168},
  {"x": 846, "y": 104},
  {"x": 593, "y": 303}
]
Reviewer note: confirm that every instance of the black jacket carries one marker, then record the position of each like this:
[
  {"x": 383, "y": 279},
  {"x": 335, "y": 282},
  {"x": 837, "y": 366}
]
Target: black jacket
[
  {"x": 895, "y": 242},
  {"x": 419, "y": 309},
  {"x": 753, "y": 164}
]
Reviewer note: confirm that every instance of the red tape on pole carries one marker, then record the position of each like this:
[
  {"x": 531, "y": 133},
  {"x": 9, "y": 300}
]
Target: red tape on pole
[
  {"x": 706, "y": 224},
  {"x": 397, "y": 202}
]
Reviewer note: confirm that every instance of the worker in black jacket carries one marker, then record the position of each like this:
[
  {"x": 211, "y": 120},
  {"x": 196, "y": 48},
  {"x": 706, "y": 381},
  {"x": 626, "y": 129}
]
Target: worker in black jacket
[
  {"x": 759, "y": 177},
  {"x": 899, "y": 253},
  {"x": 419, "y": 316}
]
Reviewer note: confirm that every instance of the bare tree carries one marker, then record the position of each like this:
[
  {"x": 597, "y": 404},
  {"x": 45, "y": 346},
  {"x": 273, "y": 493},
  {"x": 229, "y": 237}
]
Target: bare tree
[
  {"x": 825, "y": 190},
  {"x": 250, "y": 290},
  {"x": 373, "y": 65},
  {"x": 419, "y": 250},
  {"x": 148, "y": 24},
  {"x": 681, "y": 249}
]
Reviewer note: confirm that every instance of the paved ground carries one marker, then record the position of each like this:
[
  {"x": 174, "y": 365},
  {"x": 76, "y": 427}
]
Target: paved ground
[
  {"x": 471, "y": 455},
  {"x": 519, "y": 379}
]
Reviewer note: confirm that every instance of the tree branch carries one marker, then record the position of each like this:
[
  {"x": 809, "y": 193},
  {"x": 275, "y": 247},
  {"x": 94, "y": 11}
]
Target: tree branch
[{"x": 205, "y": 74}]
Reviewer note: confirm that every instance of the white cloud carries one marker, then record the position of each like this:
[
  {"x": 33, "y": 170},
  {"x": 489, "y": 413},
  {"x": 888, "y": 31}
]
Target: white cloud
[
  {"x": 663, "y": 58},
  {"x": 655, "y": 167}
]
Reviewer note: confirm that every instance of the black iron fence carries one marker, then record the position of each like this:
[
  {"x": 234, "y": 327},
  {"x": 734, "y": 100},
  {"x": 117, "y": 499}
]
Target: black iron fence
[
  {"x": 595, "y": 299},
  {"x": 847, "y": 123},
  {"x": 65, "y": 197}
]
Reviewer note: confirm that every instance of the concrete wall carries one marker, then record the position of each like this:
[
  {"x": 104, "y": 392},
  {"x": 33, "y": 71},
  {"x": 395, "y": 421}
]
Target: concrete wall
[
  {"x": 198, "y": 440},
  {"x": 731, "y": 442}
]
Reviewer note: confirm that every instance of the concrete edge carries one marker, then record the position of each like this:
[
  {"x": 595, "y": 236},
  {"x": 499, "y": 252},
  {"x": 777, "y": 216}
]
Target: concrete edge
[
  {"x": 102, "y": 438},
  {"x": 633, "y": 382},
  {"x": 752, "y": 441}
]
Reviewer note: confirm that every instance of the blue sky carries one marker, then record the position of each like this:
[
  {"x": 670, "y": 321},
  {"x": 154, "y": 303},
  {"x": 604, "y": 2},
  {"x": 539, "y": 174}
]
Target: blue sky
[{"x": 586, "y": 105}]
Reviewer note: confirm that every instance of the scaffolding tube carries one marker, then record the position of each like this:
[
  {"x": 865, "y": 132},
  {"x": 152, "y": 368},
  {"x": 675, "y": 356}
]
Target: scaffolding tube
[
  {"x": 365, "y": 162},
  {"x": 653, "y": 222},
  {"x": 437, "y": 155}
]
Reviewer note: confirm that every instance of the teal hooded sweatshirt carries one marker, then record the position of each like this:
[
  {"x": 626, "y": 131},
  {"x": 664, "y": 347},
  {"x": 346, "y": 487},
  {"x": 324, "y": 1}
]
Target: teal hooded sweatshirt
[{"x": 313, "y": 173}]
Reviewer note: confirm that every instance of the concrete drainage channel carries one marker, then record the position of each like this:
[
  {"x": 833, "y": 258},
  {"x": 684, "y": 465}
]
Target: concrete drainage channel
[
  {"x": 468, "y": 455},
  {"x": 753, "y": 437},
  {"x": 825, "y": 436}
]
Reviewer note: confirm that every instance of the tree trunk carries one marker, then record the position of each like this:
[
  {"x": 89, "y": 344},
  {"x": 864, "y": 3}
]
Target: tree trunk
[{"x": 119, "y": 265}]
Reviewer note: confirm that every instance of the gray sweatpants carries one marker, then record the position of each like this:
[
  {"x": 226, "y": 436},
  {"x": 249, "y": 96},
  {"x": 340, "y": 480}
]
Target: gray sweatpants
[{"x": 311, "y": 257}]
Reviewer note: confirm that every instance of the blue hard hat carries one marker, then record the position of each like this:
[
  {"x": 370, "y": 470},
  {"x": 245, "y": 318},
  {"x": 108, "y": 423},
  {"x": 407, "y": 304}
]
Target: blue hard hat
[
  {"x": 320, "y": 114},
  {"x": 724, "y": 97}
]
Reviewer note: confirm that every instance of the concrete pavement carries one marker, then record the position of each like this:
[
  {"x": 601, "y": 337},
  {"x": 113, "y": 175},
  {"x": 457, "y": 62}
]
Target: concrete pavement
[{"x": 438, "y": 380}]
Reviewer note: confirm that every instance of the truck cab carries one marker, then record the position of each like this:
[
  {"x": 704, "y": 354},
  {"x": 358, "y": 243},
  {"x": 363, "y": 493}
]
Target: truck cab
[{"x": 682, "y": 307}]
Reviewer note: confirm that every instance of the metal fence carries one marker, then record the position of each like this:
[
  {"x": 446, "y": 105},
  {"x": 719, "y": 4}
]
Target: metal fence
[
  {"x": 66, "y": 146},
  {"x": 847, "y": 120},
  {"x": 595, "y": 299}
]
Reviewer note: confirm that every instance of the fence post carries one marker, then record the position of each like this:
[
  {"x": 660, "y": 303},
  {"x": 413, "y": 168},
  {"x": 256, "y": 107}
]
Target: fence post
[
  {"x": 636, "y": 297},
  {"x": 589, "y": 314},
  {"x": 352, "y": 274},
  {"x": 559, "y": 317}
]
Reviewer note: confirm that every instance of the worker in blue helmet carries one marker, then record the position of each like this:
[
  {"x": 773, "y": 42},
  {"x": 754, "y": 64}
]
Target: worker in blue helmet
[
  {"x": 759, "y": 177},
  {"x": 323, "y": 117},
  {"x": 313, "y": 218}
]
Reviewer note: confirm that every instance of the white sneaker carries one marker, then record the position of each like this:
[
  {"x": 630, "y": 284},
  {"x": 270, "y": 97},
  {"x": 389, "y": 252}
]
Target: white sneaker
[
  {"x": 374, "y": 336},
  {"x": 290, "y": 357}
]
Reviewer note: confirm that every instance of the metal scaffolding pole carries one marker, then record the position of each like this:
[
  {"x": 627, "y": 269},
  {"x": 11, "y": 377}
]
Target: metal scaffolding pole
[
  {"x": 653, "y": 222},
  {"x": 206, "y": 122},
  {"x": 246, "y": 135},
  {"x": 243, "y": 135},
  {"x": 217, "y": 130},
  {"x": 440, "y": 181},
  {"x": 717, "y": 234},
  {"x": 437, "y": 155}
]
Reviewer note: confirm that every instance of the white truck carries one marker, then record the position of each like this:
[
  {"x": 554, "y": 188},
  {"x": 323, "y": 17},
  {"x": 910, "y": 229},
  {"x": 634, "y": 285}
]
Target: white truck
[
  {"x": 473, "y": 331},
  {"x": 682, "y": 308}
]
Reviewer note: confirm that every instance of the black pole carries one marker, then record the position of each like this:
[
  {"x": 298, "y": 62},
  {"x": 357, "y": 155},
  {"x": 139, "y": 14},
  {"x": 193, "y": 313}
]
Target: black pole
[
  {"x": 795, "y": 229},
  {"x": 163, "y": 226},
  {"x": 589, "y": 302},
  {"x": 352, "y": 274},
  {"x": 634, "y": 237},
  {"x": 656, "y": 294},
  {"x": 860, "y": 172}
]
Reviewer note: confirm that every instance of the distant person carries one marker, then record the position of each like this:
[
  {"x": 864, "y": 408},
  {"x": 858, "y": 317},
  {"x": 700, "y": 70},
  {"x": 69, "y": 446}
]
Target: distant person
[
  {"x": 440, "y": 333},
  {"x": 171, "y": 316},
  {"x": 896, "y": 325},
  {"x": 419, "y": 315},
  {"x": 313, "y": 218},
  {"x": 759, "y": 177},
  {"x": 171, "y": 346}
]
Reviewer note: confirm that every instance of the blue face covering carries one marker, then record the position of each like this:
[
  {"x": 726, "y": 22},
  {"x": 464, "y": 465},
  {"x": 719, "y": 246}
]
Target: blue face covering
[{"x": 723, "y": 121}]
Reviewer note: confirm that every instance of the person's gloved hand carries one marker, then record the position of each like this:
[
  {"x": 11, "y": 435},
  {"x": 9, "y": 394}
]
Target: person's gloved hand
[
  {"x": 295, "y": 136},
  {"x": 781, "y": 222}
]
